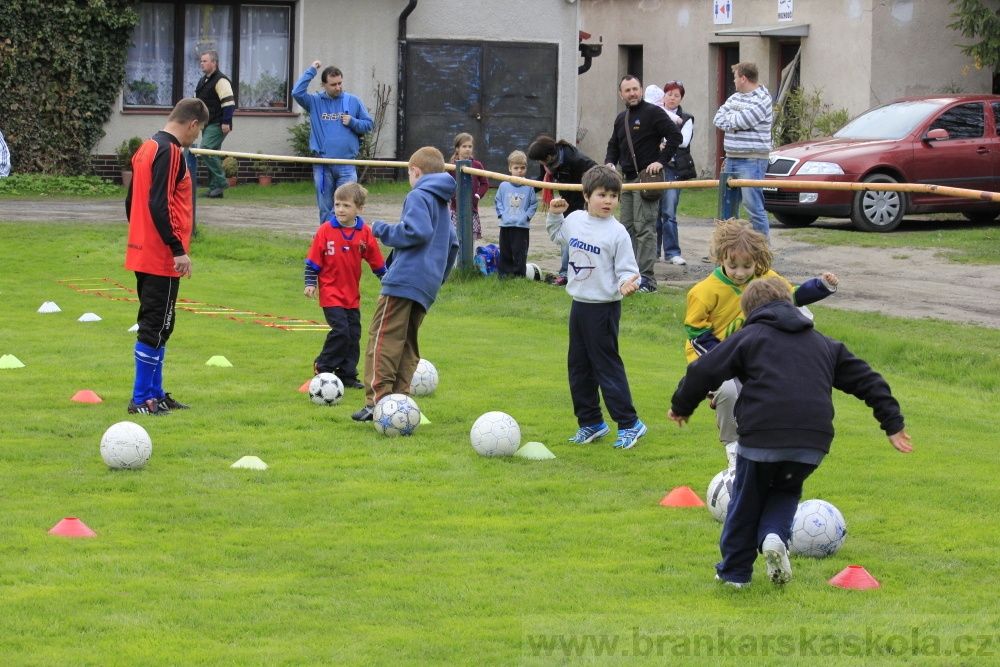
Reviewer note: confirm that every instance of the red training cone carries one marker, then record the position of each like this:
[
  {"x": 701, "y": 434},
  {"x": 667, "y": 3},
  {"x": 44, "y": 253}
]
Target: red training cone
[
  {"x": 86, "y": 396},
  {"x": 304, "y": 388},
  {"x": 72, "y": 527},
  {"x": 682, "y": 496},
  {"x": 856, "y": 577}
]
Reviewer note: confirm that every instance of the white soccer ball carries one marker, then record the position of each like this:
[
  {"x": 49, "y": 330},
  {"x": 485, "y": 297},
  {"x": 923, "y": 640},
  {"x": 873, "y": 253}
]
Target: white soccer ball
[
  {"x": 495, "y": 434},
  {"x": 396, "y": 414},
  {"x": 532, "y": 272},
  {"x": 326, "y": 389},
  {"x": 425, "y": 379},
  {"x": 720, "y": 490},
  {"x": 818, "y": 530},
  {"x": 126, "y": 446}
]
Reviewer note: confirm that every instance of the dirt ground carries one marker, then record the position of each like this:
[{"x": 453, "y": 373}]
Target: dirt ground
[{"x": 910, "y": 283}]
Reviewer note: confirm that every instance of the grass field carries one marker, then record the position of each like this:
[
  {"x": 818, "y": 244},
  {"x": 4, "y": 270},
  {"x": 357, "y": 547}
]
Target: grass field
[{"x": 357, "y": 549}]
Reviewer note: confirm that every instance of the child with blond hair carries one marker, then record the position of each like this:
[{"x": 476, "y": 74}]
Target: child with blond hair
[{"x": 515, "y": 204}]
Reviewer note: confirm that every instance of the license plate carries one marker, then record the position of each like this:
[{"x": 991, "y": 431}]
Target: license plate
[{"x": 769, "y": 189}]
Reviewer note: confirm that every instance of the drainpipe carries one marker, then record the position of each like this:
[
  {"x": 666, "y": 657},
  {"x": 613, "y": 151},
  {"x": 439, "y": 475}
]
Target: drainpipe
[{"x": 401, "y": 81}]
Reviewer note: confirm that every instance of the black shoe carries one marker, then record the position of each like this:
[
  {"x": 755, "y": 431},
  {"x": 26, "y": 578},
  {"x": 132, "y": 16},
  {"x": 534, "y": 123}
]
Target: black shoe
[
  {"x": 352, "y": 383},
  {"x": 646, "y": 288},
  {"x": 215, "y": 193},
  {"x": 168, "y": 403},
  {"x": 365, "y": 414},
  {"x": 147, "y": 407}
]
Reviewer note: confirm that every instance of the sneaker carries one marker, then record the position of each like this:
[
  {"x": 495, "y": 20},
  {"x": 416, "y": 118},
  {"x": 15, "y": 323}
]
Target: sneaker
[
  {"x": 352, "y": 383},
  {"x": 731, "y": 454},
  {"x": 776, "y": 555},
  {"x": 147, "y": 407},
  {"x": 707, "y": 259},
  {"x": 168, "y": 403},
  {"x": 734, "y": 584},
  {"x": 627, "y": 437},
  {"x": 677, "y": 260},
  {"x": 561, "y": 281},
  {"x": 365, "y": 414},
  {"x": 590, "y": 433},
  {"x": 646, "y": 288}
]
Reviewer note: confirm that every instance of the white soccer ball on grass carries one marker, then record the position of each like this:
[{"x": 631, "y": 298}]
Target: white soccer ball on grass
[
  {"x": 720, "y": 490},
  {"x": 395, "y": 415},
  {"x": 425, "y": 379},
  {"x": 126, "y": 446},
  {"x": 326, "y": 389},
  {"x": 495, "y": 434},
  {"x": 818, "y": 530}
]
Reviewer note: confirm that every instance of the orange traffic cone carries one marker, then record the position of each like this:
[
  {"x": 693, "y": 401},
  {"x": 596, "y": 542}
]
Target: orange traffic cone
[
  {"x": 304, "y": 388},
  {"x": 86, "y": 396},
  {"x": 856, "y": 577},
  {"x": 682, "y": 496},
  {"x": 72, "y": 527}
]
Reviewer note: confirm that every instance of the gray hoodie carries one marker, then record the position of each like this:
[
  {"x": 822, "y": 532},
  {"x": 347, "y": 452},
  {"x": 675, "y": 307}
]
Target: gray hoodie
[{"x": 600, "y": 255}]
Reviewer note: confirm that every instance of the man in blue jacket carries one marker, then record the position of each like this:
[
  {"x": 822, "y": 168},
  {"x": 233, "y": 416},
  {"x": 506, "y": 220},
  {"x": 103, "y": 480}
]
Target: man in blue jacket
[
  {"x": 424, "y": 248},
  {"x": 338, "y": 121}
]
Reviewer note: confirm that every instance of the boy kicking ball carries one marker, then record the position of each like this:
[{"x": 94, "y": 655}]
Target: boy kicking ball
[{"x": 784, "y": 417}]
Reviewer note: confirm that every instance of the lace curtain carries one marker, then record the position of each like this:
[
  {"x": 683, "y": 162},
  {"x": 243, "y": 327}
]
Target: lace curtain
[
  {"x": 149, "y": 71},
  {"x": 206, "y": 27},
  {"x": 264, "y": 41}
]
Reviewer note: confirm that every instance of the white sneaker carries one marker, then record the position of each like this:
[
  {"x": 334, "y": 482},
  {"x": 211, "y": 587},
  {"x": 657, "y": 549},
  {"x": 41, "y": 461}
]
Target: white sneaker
[
  {"x": 776, "y": 554},
  {"x": 677, "y": 260},
  {"x": 734, "y": 584},
  {"x": 731, "y": 454}
]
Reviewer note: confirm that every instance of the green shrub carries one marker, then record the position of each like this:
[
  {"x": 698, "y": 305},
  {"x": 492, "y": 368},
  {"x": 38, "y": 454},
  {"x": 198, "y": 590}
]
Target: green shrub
[
  {"x": 805, "y": 116},
  {"x": 39, "y": 185},
  {"x": 300, "y": 137},
  {"x": 230, "y": 167},
  {"x": 126, "y": 149}
]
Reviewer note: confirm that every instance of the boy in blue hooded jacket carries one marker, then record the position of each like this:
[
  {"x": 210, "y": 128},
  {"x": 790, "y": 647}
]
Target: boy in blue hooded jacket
[{"x": 424, "y": 248}]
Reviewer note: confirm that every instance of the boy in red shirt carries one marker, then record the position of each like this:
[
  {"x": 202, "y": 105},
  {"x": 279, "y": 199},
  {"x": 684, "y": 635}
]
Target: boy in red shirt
[{"x": 334, "y": 263}]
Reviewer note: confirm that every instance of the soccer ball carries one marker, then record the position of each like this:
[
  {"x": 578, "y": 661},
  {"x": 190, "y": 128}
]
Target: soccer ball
[
  {"x": 532, "y": 272},
  {"x": 126, "y": 446},
  {"x": 818, "y": 530},
  {"x": 720, "y": 490},
  {"x": 396, "y": 414},
  {"x": 495, "y": 434},
  {"x": 326, "y": 389},
  {"x": 425, "y": 379}
]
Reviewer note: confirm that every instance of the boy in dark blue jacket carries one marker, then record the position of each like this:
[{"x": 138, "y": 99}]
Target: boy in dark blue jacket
[
  {"x": 424, "y": 248},
  {"x": 784, "y": 420}
]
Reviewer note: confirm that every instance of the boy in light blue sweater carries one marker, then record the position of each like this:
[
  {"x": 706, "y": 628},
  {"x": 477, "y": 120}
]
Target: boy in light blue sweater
[
  {"x": 602, "y": 270},
  {"x": 515, "y": 205}
]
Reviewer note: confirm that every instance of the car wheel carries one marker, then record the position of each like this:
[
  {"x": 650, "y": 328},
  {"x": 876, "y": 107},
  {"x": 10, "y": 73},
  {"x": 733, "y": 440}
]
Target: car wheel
[
  {"x": 981, "y": 216},
  {"x": 793, "y": 220},
  {"x": 877, "y": 211}
]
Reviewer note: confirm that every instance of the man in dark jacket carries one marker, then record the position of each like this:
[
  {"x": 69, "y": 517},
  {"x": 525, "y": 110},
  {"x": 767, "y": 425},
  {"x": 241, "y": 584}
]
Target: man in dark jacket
[
  {"x": 216, "y": 91},
  {"x": 648, "y": 125},
  {"x": 784, "y": 420}
]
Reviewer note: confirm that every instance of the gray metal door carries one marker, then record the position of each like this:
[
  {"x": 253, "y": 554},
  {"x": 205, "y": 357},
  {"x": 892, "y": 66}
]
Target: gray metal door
[{"x": 502, "y": 93}]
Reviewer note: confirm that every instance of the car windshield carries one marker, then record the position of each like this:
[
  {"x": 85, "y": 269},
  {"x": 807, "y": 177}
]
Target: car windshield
[{"x": 892, "y": 121}]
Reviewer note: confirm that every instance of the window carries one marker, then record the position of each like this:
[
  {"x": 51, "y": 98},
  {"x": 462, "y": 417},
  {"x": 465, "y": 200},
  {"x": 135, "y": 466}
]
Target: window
[
  {"x": 965, "y": 121},
  {"x": 253, "y": 42}
]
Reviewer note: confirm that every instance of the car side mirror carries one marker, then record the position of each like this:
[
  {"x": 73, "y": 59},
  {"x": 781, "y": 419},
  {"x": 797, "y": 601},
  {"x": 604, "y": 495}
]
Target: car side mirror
[{"x": 937, "y": 134}]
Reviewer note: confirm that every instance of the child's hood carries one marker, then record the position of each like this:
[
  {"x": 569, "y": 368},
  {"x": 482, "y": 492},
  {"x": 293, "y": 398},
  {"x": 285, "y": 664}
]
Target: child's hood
[
  {"x": 780, "y": 315},
  {"x": 440, "y": 185}
]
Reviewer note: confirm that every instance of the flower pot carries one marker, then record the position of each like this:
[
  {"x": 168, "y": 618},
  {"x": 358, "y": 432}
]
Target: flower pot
[
  {"x": 232, "y": 182},
  {"x": 126, "y": 178},
  {"x": 264, "y": 180}
]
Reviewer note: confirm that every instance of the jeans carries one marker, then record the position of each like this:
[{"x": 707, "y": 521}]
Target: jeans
[
  {"x": 327, "y": 178},
  {"x": 666, "y": 221},
  {"x": 564, "y": 264},
  {"x": 752, "y": 198}
]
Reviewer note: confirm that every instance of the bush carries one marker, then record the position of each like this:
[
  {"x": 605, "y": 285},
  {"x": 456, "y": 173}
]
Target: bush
[
  {"x": 230, "y": 167},
  {"x": 125, "y": 151},
  {"x": 34, "y": 185},
  {"x": 300, "y": 137},
  {"x": 805, "y": 116}
]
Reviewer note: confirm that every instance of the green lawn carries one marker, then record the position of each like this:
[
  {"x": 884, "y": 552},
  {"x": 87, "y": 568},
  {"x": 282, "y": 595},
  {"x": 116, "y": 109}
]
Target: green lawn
[{"x": 357, "y": 549}]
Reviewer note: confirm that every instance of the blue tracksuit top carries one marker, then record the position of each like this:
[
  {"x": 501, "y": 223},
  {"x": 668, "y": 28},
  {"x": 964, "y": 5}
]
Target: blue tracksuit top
[
  {"x": 330, "y": 138},
  {"x": 424, "y": 243}
]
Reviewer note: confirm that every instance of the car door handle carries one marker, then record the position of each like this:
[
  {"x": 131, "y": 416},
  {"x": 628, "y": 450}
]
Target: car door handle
[{"x": 982, "y": 150}]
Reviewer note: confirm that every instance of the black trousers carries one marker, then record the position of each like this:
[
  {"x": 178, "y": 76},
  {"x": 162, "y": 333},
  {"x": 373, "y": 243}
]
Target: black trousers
[
  {"x": 157, "y": 300},
  {"x": 594, "y": 363},
  {"x": 513, "y": 251},
  {"x": 342, "y": 348}
]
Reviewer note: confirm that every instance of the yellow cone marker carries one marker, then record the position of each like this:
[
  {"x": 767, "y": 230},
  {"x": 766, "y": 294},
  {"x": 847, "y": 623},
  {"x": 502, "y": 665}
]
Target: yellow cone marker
[
  {"x": 250, "y": 463},
  {"x": 219, "y": 361}
]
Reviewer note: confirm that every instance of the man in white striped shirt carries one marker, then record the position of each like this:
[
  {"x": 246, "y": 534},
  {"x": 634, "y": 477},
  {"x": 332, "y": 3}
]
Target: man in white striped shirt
[
  {"x": 4, "y": 158},
  {"x": 746, "y": 119}
]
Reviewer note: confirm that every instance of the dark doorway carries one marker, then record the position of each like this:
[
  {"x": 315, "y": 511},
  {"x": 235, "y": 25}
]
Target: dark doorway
[
  {"x": 729, "y": 55},
  {"x": 504, "y": 94}
]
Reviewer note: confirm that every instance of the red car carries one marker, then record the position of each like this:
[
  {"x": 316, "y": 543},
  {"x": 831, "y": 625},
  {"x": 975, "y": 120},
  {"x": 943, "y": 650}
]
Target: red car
[{"x": 947, "y": 140}]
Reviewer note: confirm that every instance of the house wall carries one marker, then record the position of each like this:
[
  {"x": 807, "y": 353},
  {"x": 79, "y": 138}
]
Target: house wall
[
  {"x": 360, "y": 37},
  {"x": 858, "y": 53}
]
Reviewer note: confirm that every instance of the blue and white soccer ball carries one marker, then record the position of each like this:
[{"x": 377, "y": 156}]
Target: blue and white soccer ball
[
  {"x": 326, "y": 389},
  {"x": 818, "y": 530},
  {"x": 495, "y": 434},
  {"x": 126, "y": 446},
  {"x": 396, "y": 414},
  {"x": 720, "y": 490},
  {"x": 425, "y": 379}
]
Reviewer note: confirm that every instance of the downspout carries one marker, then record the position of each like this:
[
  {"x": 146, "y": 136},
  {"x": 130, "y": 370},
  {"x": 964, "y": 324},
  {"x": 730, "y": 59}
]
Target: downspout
[{"x": 401, "y": 81}]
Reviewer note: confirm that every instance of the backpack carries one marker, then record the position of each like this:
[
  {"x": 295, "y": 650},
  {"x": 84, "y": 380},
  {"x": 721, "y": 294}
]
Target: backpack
[{"x": 487, "y": 258}]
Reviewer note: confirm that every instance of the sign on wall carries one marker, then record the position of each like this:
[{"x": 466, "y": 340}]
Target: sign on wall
[
  {"x": 784, "y": 10},
  {"x": 723, "y": 12}
]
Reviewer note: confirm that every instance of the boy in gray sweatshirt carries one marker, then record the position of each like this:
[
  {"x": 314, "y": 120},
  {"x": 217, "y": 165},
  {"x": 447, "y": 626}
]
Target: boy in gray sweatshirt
[{"x": 602, "y": 270}]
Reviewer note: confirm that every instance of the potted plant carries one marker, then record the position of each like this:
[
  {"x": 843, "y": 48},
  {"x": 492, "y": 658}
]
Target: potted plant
[
  {"x": 143, "y": 92},
  {"x": 230, "y": 167},
  {"x": 126, "y": 149},
  {"x": 265, "y": 171}
]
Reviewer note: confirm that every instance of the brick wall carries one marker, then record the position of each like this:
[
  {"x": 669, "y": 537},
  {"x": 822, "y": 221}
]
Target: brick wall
[{"x": 106, "y": 166}]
